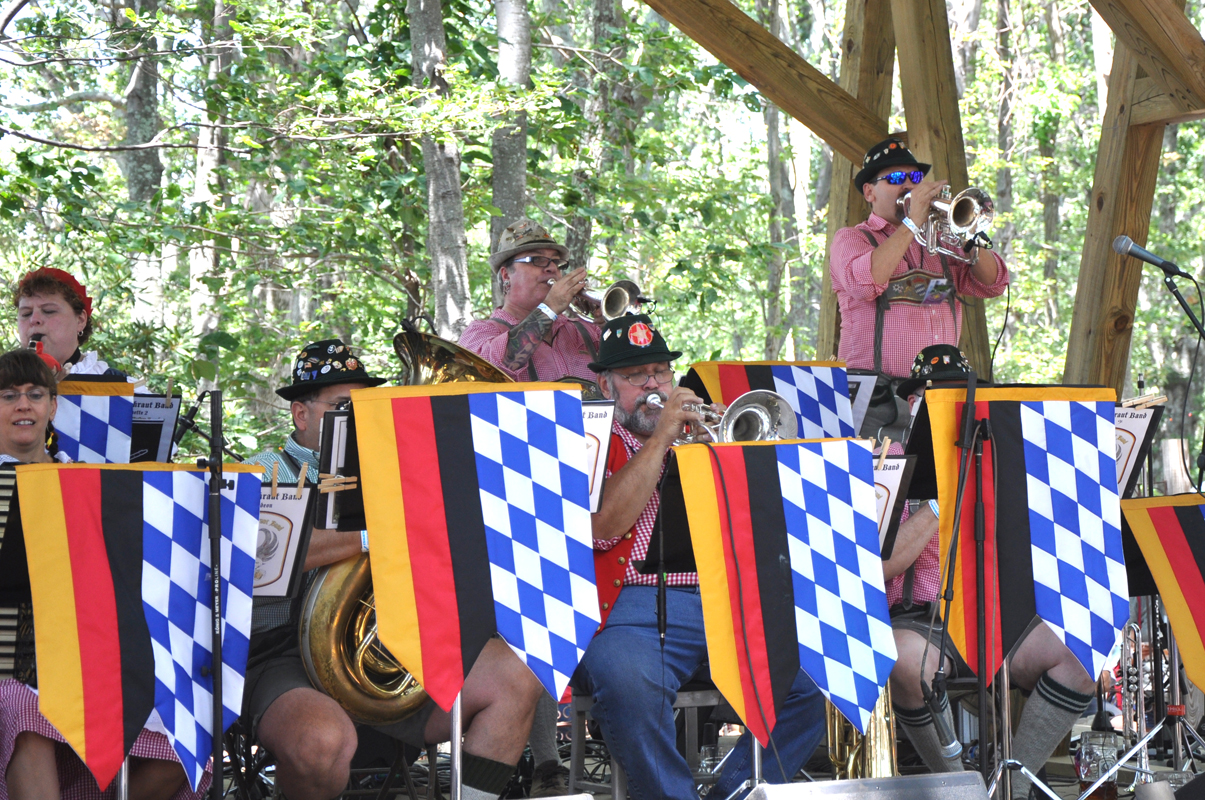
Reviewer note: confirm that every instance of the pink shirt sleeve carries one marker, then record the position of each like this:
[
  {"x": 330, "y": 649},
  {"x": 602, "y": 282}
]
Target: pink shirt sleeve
[
  {"x": 849, "y": 264},
  {"x": 966, "y": 283},
  {"x": 488, "y": 339}
]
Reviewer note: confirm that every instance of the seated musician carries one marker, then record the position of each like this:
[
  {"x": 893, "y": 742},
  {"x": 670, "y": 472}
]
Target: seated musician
[
  {"x": 309, "y": 734},
  {"x": 633, "y": 680},
  {"x": 53, "y": 304},
  {"x": 35, "y": 761},
  {"x": 1060, "y": 689},
  {"x": 532, "y": 337}
]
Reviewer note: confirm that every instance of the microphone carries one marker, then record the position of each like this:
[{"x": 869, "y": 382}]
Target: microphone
[
  {"x": 936, "y": 702},
  {"x": 1124, "y": 245},
  {"x": 189, "y": 421}
]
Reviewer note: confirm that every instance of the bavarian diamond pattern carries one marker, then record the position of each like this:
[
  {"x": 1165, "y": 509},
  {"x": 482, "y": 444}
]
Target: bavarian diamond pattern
[
  {"x": 177, "y": 600},
  {"x": 1079, "y": 572},
  {"x": 535, "y": 500},
  {"x": 845, "y": 639},
  {"x": 820, "y": 397},
  {"x": 95, "y": 429}
]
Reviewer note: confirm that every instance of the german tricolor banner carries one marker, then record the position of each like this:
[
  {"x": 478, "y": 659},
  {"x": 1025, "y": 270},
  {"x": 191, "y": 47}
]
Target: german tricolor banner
[
  {"x": 1171, "y": 533},
  {"x": 1052, "y": 519},
  {"x": 749, "y": 507},
  {"x": 818, "y": 391},
  {"x": 118, "y": 565},
  {"x": 477, "y": 507}
]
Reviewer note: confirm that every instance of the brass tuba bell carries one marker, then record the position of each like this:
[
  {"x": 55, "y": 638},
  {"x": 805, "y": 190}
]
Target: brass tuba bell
[{"x": 338, "y": 630}]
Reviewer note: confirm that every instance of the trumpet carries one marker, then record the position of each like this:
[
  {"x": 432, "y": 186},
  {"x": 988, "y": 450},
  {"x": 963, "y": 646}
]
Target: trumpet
[
  {"x": 1133, "y": 707},
  {"x": 756, "y": 416},
  {"x": 621, "y": 297},
  {"x": 953, "y": 221}
]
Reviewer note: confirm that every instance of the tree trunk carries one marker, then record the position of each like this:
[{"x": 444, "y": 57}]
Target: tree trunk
[
  {"x": 1047, "y": 129},
  {"x": 1004, "y": 129},
  {"x": 143, "y": 169},
  {"x": 509, "y": 145},
  {"x": 446, "y": 243},
  {"x": 204, "y": 261},
  {"x": 782, "y": 229},
  {"x": 596, "y": 155},
  {"x": 966, "y": 46}
]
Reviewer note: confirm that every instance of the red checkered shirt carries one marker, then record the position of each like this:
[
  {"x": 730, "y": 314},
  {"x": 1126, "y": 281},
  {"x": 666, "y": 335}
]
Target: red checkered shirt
[
  {"x": 643, "y": 528},
  {"x": 568, "y": 354},
  {"x": 926, "y": 580},
  {"x": 907, "y": 328}
]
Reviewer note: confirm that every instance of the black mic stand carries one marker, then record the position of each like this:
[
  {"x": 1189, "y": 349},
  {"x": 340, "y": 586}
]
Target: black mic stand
[
  {"x": 214, "y": 465},
  {"x": 1196, "y": 323},
  {"x": 188, "y": 422}
]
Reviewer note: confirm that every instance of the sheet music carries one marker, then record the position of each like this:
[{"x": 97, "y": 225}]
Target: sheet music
[
  {"x": 154, "y": 425},
  {"x": 282, "y": 539},
  {"x": 861, "y": 387},
  {"x": 597, "y": 416}
]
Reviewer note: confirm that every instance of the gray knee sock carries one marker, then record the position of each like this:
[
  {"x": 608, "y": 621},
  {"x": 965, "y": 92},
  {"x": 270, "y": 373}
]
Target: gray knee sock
[
  {"x": 918, "y": 727},
  {"x": 1049, "y": 713},
  {"x": 543, "y": 731},
  {"x": 483, "y": 778}
]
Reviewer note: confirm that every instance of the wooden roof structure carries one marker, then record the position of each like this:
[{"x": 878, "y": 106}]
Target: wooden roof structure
[{"x": 1157, "y": 78}]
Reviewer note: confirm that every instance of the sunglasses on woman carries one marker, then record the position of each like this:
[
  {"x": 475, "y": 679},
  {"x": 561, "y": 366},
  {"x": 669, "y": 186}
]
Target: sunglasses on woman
[{"x": 898, "y": 177}]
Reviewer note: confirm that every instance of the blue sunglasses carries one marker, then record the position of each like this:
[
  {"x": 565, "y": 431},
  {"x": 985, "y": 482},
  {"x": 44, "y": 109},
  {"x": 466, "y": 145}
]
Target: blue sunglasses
[{"x": 898, "y": 177}]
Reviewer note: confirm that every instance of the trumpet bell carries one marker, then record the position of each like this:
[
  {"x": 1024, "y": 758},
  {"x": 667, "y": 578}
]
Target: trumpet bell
[
  {"x": 758, "y": 416},
  {"x": 953, "y": 221},
  {"x": 621, "y": 297}
]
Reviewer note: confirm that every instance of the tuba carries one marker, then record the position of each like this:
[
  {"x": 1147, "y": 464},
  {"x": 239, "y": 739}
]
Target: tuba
[
  {"x": 338, "y": 631},
  {"x": 869, "y": 755},
  {"x": 757, "y": 416},
  {"x": 953, "y": 222}
]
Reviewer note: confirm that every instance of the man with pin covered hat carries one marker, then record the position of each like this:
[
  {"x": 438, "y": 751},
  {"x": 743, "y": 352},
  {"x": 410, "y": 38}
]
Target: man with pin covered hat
[
  {"x": 308, "y": 733},
  {"x": 633, "y": 679},
  {"x": 895, "y": 297}
]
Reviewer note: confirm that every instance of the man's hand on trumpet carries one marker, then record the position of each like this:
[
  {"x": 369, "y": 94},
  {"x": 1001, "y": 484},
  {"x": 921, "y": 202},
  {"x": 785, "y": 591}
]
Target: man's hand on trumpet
[
  {"x": 922, "y": 198},
  {"x": 563, "y": 290}
]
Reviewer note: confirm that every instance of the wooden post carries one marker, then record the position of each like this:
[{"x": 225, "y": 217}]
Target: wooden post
[
  {"x": 867, "y": 56},
  {"x": 1123, "y": 189},
  {"x": 922, "y": 35}
]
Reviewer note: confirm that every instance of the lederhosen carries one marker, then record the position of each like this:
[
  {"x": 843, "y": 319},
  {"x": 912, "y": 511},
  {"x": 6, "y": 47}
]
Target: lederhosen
[
  {"x": 591, "y": 350},
  {"x": 914, "y": 287}
]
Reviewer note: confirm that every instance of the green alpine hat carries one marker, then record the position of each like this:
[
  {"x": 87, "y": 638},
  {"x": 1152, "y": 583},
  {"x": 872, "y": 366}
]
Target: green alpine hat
[{"x": 630, "y": 341}]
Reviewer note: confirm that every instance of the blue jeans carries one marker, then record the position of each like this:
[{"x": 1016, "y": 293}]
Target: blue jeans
[{"x": 634, "y": 684}]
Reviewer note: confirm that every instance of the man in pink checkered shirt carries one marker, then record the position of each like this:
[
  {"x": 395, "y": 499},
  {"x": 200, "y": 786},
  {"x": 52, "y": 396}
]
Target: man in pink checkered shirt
[
  {"x": 895, "y": 297},
  {"x": 533, "y": 336}
]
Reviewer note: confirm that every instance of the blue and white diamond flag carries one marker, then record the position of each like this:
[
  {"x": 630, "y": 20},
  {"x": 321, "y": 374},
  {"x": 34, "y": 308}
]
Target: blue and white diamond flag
[
  {"x": 844, "y": 629},
  {"x": 530, "y": 449},
  {"x": 95, "y": 421},
  {"x": 177, "y": 598}
]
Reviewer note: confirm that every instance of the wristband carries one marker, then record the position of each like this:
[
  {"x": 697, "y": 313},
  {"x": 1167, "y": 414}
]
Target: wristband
[
  {"x": 912, "y": 226},
  {"x": 548, "y": 312},
  {"x": 363, "y": 541},
  {"x": 932, "y": 507}
]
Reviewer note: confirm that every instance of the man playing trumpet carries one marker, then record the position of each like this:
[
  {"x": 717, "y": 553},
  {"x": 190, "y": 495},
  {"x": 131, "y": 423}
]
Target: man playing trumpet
[
  {"x": 896, "y": 298},
  {"x": 531, "y": 337}
]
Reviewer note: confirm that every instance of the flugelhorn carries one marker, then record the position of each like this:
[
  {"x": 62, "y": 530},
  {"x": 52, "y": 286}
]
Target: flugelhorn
[
  {"x": 757, "y": 416},
  {"x": 953, "y": 222},
  {"x": 621, "y": 297}
]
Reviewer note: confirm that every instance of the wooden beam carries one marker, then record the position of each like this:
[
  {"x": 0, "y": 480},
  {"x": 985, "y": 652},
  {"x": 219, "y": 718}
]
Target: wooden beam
[
  {"x": 1151, "y": 104},
  {"x": 1164, "y": 42},
  {"x": 922, "y": 35},
  {"x": 1123, "y": 189},
  {"x": 781, "y": 75},
  {"x": 867, "y": 62}
]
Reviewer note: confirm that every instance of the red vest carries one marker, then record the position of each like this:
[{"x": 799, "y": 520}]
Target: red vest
[{"x": 610, "y": 565}]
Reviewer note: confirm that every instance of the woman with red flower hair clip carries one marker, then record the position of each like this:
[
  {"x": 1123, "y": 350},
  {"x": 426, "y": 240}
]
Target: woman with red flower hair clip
[{"x": 53, "y": 308}]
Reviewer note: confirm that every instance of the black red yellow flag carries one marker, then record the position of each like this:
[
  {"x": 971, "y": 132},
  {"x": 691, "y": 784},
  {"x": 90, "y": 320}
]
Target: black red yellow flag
[
  {"x": 1052, "y": 520},
  {"x": 477, "y": 507},
  {"x": 785, "y": 541},
  {"x": 1171, "y": 532}
]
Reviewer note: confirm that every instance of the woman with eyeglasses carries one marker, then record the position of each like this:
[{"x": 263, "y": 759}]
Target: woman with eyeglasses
[
  {"x": 35, "y": 762},
  {"x": 533, "y": 336},
  {"x": 896, "y": 298},
  {"x": 54, "y": 309}
]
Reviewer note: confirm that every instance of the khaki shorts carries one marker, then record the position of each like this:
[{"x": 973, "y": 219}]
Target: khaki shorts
[{"x": 268, "y": 680}]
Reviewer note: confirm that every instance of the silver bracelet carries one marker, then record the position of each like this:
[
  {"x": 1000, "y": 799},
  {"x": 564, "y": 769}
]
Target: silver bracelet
[
  {"x": 548, "y": 312},
  {"x": 363, "y": 541}
]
